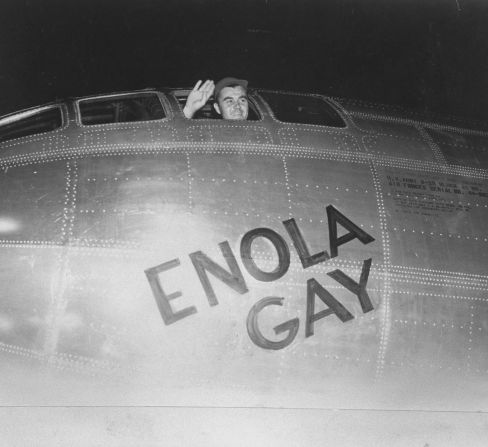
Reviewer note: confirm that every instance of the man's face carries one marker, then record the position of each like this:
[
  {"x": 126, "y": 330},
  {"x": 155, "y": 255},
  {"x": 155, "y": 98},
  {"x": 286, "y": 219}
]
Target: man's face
[{"x": 232, "y": 103}]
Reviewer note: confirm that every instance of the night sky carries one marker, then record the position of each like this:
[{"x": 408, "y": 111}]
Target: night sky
[{"x": 430, "y": 55}]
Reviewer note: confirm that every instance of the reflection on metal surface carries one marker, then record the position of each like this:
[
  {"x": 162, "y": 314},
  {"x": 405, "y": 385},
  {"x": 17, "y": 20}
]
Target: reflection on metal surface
[{"x": 9, "y": 225}]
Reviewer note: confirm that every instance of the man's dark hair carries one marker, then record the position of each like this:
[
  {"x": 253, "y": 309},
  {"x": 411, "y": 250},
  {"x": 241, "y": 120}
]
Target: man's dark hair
[{"x": 229, "y": 82}]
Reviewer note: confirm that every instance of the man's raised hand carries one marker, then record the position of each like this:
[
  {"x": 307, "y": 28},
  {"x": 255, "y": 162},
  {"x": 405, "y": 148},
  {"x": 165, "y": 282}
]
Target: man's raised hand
[{"x": 198, "y": 97}]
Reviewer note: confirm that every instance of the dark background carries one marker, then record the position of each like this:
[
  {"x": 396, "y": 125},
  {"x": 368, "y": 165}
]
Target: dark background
[{"x": 430, "y": 55}]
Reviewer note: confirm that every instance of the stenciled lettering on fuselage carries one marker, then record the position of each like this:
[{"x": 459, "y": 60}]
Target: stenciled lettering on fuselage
[{"x": 232, "y": 277}]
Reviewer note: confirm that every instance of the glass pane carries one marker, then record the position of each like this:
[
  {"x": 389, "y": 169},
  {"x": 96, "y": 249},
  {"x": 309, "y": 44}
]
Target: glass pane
[
  {"x": 302, "y": 109},
  {"x": 143, "y": 107},
  {"x": 44, "y": 121}
]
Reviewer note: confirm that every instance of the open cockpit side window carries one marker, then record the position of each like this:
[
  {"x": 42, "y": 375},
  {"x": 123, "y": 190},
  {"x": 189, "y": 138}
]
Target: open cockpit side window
[
  {"x": 30, "y": 123},
  {"x": 302, "y": 109},
  {"x": 121, "y": 109},
  {"x": 208, "y": 111}
]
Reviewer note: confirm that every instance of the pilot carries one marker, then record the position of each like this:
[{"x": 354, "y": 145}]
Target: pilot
[{"x": 230, "y": 96}]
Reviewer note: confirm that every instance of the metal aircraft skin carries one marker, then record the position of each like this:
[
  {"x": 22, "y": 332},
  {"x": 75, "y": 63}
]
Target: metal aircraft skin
[{"x": 260, "y": 263}]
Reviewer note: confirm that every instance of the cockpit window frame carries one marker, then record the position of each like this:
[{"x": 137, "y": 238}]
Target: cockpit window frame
[
  {"x": 161, "y": 97},
  {"x": 24, "y": 114},
  {"x": 253, "y": 103},
  {"x": 323, "y": 98}
]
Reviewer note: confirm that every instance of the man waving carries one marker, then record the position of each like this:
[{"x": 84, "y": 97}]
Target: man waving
[{"x": 230, "y": 95}]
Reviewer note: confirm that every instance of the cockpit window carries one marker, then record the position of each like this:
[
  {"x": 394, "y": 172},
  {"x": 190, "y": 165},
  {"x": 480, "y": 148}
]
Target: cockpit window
[
  {"x": 27, "y": 123},
  {"x": 302, "y": 109},
  {"x": 208, "y": 111},
  {"x": 121, "y": 109}
]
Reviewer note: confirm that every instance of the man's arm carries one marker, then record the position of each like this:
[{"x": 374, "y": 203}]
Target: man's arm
[{"x": 198, "y": 97}]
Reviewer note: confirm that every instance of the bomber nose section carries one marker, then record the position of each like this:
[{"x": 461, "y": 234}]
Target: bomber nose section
[{"x": 297, "y": 260}]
